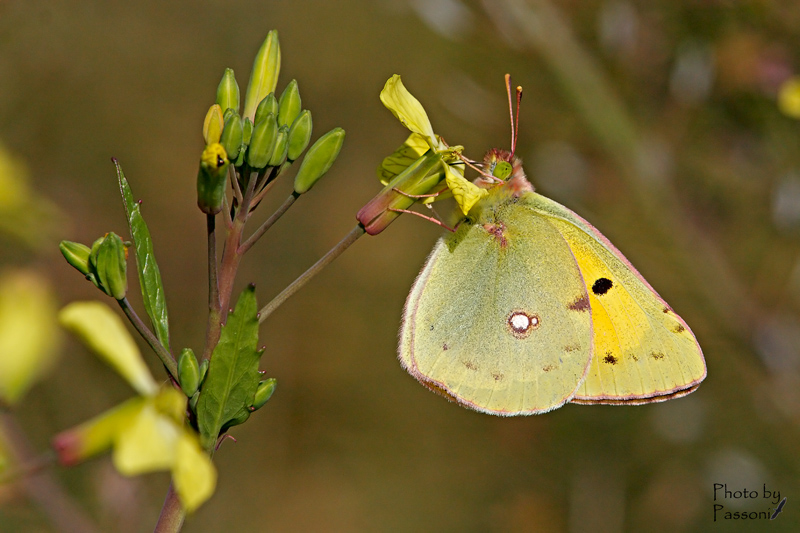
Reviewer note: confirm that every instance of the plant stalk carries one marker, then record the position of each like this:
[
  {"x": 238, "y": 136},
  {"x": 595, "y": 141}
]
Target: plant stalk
[
  {"x": 172, "y": 514},
  {"x": 155, "y": 344},
  {"x": 212, "y": 328},
  {"x": 268, "y": 223},
  {"x": 332, "y": 254}
]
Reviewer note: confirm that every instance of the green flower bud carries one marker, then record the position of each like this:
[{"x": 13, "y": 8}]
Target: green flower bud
[
  {"x": 232, "y": 136},
  {"x": 109, "y": 265},
  {"x": 289, "y": 105},
  {"x": 421, "y": 177},
  {"x": 262, "y": 142},
  {"x": 280, "y": 148},
  {"x": 299, "y": 135},
  {"x": 318, "y": 160},
  {"x": 77, "y": 255},
  {"x": 240, "y": 418},
  {"x": 193, "y": 401},
  {"x": 264, "y": 392},
  {"x": 228, "y": 91},
  {"x": 93, "y": 253},
  {"x": 264, "y": 76},
  {"x": 203, "y": 370},
  {"x": 188, "y": 372},
  {"x": 212, "y": 125},
  {"x": 268, "y": 105},
  {"x": 211, "y": 179},
  {"x": 247, "y": 131}
]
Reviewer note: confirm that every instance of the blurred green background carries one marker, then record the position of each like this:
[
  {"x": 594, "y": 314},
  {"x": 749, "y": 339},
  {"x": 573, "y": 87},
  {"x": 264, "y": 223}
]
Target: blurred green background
[{"x": 656, "y": 121}]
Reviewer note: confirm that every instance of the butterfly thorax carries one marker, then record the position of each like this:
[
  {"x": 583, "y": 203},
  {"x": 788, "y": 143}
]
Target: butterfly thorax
[{"x": 489, "y": 215}]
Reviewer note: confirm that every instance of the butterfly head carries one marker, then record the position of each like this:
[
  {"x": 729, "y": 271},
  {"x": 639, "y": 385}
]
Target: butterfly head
[
  {"x": 505, "y": 166},
  {"x": 502, "y": 167}
]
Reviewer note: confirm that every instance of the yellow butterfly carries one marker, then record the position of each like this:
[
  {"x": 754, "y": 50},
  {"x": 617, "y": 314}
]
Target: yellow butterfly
[{"x": 526, "y": 306}]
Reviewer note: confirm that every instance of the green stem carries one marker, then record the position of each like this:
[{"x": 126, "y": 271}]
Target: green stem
[
  {"x": 212, "y": 328},
  {"x": 228, "y": 269},
  {"x": 29, "y": 468},
  {"x": 263, "y": 186},
  {"x": 213, "y": 285},
  {"x": 268, "y": 223},
  {"x": 332, "y": 254},
  {"x": 172, "y": 514},
  {"x": 237, "y": 192},
  {"x": 144, "y": 331}
]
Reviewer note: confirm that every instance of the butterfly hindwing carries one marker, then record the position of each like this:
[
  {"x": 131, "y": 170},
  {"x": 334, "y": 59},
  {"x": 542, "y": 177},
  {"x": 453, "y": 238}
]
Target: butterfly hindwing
[
  {"x": 643, "y": 351},
  {"x": 499, "y": 319}
]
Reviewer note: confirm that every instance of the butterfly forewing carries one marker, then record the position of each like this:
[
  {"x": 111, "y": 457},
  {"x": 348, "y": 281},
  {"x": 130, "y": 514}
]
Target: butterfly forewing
[
  {"x": 643, "y": 351},
  {"x": 499, "y": 319}
]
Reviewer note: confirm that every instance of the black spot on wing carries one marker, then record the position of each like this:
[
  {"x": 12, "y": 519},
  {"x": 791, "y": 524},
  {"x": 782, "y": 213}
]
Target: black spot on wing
[
  {"x": 470, "y": 365},
  {"x": 610, "y": 359},
  {"x": 498, "y": 376},
  {"x": 602, "y": 286},
  {"x": 679, "y": 328},
  {"x": 657, "y": 355}
]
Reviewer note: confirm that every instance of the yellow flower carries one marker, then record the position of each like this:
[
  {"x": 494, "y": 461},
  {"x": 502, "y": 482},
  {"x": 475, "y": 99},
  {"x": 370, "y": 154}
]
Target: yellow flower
[
  {"x": 412, "y": 115},
  {"x": 789, "y": 97},
  {"x": 28, "y": 332},
  {"x": 409, "y": 111},
  {"x": 146, "y": 433}
]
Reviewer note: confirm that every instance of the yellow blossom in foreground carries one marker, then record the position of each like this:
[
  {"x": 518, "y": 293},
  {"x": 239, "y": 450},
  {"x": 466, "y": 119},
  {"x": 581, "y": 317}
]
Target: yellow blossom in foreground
[
  {"x": 28, "y": 332},
  {"x": 146, "y": 433}
]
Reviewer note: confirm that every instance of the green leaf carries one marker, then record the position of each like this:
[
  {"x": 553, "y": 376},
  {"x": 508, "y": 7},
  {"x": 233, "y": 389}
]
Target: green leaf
[
  {"x": 232, "y": 377},
  {"x": 155, "y": 302}
]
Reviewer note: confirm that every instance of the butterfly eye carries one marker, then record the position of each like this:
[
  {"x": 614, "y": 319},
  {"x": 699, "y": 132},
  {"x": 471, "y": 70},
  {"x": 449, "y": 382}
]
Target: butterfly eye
[{"x": 502, "y": 170}]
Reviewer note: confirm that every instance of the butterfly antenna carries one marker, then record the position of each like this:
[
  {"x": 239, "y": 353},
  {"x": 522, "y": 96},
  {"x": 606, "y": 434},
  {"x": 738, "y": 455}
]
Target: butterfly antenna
[
  {"x": 511, "y": 112},
  {"x": 515, "y": 129}
]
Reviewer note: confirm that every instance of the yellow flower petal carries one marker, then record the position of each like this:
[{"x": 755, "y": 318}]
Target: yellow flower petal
[
  {"x": 5, "y": 454},
  {"x": 789, "y": 97},
  {"x": 412, "y": 149},
  {"x": 98, "y": 434},
  {"x": 465, "y": 192},
  {"x": 28, "y": 332},
  {"x": 194, "y": 474},
  {"x": 150, "y": 443},
  {"x": 408, "y": 109},
  {"x": 104, "y": 332},
  {"x": 172, "y": 403}
]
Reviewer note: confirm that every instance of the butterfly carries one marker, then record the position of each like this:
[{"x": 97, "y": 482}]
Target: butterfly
[{"x": 526, "y": 306}]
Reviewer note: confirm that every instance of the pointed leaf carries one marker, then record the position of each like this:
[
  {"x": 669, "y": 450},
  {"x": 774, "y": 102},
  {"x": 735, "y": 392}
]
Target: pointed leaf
[
  {"x": 153, "y": 297},
  {"x": 232, "y": 377}
]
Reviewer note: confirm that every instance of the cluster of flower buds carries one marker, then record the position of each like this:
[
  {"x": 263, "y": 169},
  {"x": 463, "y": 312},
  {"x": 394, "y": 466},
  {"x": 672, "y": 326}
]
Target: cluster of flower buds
[
  {"x": 271, "y": 133},
  {"x": 104, "y": 264}
]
